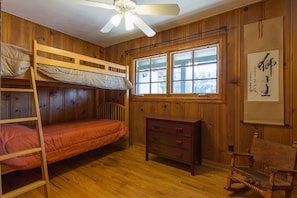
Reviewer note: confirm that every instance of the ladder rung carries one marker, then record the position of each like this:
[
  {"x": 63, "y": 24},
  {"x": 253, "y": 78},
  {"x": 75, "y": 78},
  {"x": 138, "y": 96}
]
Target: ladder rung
[
  {"x": 44, "y": 172},
  {"x": 16, "y": 89},
  {"x": 14, "y": 120},
  {"x": 24, "y": 189},
  {"x": 19, "y": 153}
]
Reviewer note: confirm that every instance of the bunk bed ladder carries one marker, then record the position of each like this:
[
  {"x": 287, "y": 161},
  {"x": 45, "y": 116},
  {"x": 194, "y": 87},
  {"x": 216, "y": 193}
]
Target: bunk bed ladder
[{"x": 44, "y": 180}]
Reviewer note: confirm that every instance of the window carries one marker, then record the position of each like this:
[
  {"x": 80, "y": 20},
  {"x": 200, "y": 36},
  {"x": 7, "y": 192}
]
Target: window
[
  {"x": 195, "y": 71},
  {"x": 151, "y": 75},
  {"x": 189, "y": 73}
]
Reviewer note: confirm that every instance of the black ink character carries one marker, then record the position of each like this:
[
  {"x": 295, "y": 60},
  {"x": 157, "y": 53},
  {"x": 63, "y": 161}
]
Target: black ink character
[{"x": 267, "y": 63}]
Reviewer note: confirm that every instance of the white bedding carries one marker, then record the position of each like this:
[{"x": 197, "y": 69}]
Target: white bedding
[
  {"x": 16, "y": 60},
  {"x": 85, "y": 78}
]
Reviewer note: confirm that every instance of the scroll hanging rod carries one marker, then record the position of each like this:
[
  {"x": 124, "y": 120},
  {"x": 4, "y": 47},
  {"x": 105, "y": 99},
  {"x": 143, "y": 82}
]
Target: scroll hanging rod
[{"x": 220, "y": 29}]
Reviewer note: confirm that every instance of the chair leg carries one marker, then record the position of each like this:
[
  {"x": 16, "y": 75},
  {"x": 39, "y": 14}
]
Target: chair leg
[
  {"x": 289, "y": 194},
  {"x": 268, "y": 194},
  {"x": 229, "y": 180}
]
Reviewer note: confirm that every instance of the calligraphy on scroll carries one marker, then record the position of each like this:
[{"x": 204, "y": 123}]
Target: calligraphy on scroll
[{"x": 263, "y": 76}]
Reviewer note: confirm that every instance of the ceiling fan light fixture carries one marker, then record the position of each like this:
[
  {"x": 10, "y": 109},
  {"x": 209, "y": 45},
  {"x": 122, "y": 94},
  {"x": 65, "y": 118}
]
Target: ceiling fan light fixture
[
  {"x": 116, "y": 19},
  {"x": 130, "y": 10}
]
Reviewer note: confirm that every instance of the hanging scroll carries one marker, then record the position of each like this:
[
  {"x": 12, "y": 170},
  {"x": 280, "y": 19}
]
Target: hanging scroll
[{"x": 263, "y": 52}]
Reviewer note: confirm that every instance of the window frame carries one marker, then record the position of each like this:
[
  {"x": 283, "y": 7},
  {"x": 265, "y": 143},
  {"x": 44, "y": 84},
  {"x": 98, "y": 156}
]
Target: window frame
[
  {"x": 150, "y": 58},
  {"x": 219, "y": 97},
  {"x": 192, "y": 67}
]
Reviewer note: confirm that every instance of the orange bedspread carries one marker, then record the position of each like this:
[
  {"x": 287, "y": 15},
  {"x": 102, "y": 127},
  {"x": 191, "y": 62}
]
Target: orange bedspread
[{"x": 61, "y": 140}]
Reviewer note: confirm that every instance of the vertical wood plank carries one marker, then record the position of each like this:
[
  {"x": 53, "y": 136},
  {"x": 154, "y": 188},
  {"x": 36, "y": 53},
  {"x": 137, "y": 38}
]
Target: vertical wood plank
[
  {"x": 56, "y": 109},
  {"x": 70, "y": 104},
  {"x": 43, "y": 100},
  {"x": 221, "y": 122}
]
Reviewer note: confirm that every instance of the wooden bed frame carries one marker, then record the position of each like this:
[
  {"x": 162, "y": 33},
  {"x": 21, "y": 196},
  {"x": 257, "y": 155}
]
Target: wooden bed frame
[{"x": 43, "y": 54}]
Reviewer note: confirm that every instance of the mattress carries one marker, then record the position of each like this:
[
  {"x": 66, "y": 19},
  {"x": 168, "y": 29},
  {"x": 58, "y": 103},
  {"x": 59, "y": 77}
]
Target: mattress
[
  {"x": 61, "y": 140},
  {"x": 16, "y": 60}
]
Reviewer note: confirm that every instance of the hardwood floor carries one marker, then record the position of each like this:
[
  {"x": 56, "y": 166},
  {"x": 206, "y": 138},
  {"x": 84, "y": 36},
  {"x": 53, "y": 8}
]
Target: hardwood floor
[{"x": 111, "y": 172}]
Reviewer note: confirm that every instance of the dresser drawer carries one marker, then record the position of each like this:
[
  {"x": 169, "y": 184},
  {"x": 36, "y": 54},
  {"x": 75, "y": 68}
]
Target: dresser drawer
[
  {"x": 175, "y": 128},
  {"x": 173, "y": 153},
  {"x": 175, "y": 139},
  {"x": 169, "y": 140}
]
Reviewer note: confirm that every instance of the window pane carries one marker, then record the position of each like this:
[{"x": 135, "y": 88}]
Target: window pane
[
  {"x": 142, "y": 65},
  {"x": 182, "y": 87},
  {"x": 158, "y": 88},
  {"x": 159, "y": 63},
  {"x": 195, "y": 71},
  {"x": 143, "y": 88},
  {"x": 182, "y": 59},
  {"x": 150, "y": 75},
  {"x": 159, "y": 75},
  {"x": 143, "y": 77},
  {"x": 206, "y": 55},
  {"x": 205, "y": 71},
  {"x": 205, "y": 86},
  {"x": 183, "y": 73}
]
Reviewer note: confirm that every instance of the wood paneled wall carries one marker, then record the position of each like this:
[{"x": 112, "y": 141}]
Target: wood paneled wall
[
  {"x": 58, "y": 102},
  {"x": 222, "y": 122},
  {"x": 21, "y": 32}
]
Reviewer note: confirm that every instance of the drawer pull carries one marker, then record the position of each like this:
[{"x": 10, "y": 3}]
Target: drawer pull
[
  {"x": 179, "y": 130},
  {"x": 179, "y": 142}
]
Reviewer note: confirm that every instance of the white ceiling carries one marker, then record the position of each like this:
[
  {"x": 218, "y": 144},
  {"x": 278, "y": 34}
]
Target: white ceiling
[{"x": 84, "y": 22}]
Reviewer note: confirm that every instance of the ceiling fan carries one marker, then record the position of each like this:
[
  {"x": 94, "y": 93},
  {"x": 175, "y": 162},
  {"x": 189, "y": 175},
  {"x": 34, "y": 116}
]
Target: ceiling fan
[{"x": 129, "y": 10}]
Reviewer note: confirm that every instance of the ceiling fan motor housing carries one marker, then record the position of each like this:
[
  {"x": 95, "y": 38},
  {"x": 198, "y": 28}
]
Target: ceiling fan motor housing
[{"x": 123, "y": 6}]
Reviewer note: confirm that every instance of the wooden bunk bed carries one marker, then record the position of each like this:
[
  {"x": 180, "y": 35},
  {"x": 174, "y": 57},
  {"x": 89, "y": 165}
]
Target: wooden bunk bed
[{"x": 63, "y": 140}]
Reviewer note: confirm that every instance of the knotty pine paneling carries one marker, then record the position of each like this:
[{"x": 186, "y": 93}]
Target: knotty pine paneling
[
  {"x": 293, "y": 57},
  {"x": 58, "y": 102},
  {"x": 21, "y": 32},
  {"x": 222, "y": 124}
]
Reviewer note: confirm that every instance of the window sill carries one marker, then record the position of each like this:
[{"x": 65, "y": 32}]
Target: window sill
[{"x": 178, "y": 98}]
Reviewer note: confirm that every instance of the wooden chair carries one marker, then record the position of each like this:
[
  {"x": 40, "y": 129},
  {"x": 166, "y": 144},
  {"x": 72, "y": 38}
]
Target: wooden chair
[{"x": 277, "y": 162}]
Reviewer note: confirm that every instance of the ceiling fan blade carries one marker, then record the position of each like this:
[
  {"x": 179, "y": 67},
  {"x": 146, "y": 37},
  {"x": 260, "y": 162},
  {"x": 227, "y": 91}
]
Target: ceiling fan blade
[
  {"x": 108, "y": 26},
  {"x": 143, "y": 26},
  {"x": 158, "y": 9},
  {"x": 97, "y": 4}
]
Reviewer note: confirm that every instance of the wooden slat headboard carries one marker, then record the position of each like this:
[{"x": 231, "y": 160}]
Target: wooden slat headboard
[{"x": 43, "y": 54}]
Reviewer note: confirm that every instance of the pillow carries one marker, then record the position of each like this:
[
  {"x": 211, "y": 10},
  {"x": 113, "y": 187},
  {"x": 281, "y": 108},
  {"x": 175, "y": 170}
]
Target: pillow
[
  {"x": 14, "y": 60},
  {"x": 14, "y": 137}
]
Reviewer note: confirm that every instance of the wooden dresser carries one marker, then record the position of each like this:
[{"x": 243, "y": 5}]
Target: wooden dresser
[{"x": 175, "y": 139}]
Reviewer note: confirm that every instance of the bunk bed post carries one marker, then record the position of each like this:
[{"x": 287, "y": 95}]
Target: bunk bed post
[
  {"x": 34, "y": 57},
  {"x": 126, "y": 100}
]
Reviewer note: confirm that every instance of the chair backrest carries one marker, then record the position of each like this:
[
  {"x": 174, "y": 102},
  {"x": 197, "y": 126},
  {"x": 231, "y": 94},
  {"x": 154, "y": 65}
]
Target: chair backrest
[{"x": 273, "y": 153}]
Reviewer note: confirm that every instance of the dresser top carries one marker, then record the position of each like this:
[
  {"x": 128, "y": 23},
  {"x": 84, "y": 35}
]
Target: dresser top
[{"x": 173, "y": 119}]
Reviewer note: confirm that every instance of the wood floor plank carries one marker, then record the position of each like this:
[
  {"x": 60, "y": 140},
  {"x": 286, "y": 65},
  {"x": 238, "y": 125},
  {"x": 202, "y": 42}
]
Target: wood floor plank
[{"x": 112, "y": 172}]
